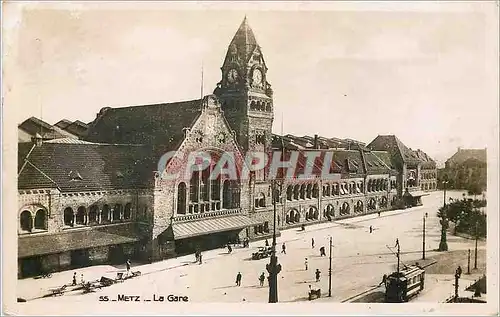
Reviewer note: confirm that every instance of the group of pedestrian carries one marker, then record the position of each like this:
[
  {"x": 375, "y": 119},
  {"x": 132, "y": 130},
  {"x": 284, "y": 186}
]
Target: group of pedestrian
[{"x": 82, "y": 281}]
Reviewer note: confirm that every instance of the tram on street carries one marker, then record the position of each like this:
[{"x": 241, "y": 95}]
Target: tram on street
[{"x": 403, "y": 285}]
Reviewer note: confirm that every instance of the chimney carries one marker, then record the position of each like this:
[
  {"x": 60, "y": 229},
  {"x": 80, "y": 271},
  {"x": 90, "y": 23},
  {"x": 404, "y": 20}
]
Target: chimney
[
  {"x": 316, "y": 145},
  {"x": 37, "y": 139}
]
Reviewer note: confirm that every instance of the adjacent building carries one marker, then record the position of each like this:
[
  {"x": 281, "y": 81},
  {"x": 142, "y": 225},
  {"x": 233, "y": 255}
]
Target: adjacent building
[{"x": 101, "y": 197}]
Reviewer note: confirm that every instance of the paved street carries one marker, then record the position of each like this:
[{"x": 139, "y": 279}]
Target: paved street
[{"x": 359, "y": 261}]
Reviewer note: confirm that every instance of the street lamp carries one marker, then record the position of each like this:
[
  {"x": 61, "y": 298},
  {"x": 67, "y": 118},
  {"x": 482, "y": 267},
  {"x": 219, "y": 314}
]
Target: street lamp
[
  {"x": 443, "y": 246},
  {"x": 273, "y": 268},
  {"x": 423, "y": 238},
  {"x": 330, "y": 270},
  {"x": 475, "y": 250}
]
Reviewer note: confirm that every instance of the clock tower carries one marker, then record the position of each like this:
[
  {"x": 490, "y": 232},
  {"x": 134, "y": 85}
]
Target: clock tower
[{"x": 245, "y": 94}]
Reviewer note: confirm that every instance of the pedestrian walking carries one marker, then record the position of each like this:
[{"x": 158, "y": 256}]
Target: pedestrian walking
[
  {"x": 305, "y": 263},
  {"x": 384, "y": 279},
  {"x": 371, "y": 229},
  {"x": 267, "y": 243},
  {"x": 74, "y": 278},
  {"x": 262, "y": 277},
  {"x": 200, "y": 258},
  {"x": 229, "y": 249},
  {"x": 322, "y": 251},
  {"x": 238, "y": 279},
  {"x": 318, "y": 275},
  {"x": 312, "y": 242},
  {"x": 283, "y": 248},
  {"x": 81, "y": 278},
  {"x": 128, "y": 266},
  {"x": 459, "y": 271},
  {"x": 379, "y": 213}
]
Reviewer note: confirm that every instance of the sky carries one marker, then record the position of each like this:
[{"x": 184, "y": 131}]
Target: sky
[{"x": 427, "y": 73}]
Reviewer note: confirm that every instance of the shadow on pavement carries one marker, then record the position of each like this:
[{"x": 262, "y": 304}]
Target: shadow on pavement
[{"x": 373, "y": 297}]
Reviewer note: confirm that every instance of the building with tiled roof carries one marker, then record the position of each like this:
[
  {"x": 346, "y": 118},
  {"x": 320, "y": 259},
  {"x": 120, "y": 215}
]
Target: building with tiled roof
[
  {"x": 466, "y": 169},
  {"x": 107, "y": 195}
]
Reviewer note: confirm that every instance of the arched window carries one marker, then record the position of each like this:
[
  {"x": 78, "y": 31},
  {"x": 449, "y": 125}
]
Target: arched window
[
  {"x": 181, "y": 198},
  {"x": 127, "y": 213},
  {"x": 293, "y": 216},
  {"x": 296, "y": 190},
  {"x": 26, "y": 221},
  {"x": 309, "y": 191},
  {"x": 68, "y": 217},
  {"x": 359, "y": 207},
  {"x": 329, "y": 212},
  {"x": 327, "y": 190},
  {"x": 252, "y": 105},
  {"x": 394, "y": 201},
  {"x": 344, "y": 209},
  {"x": 383, "y": 202},
  {"x": 302, "y": 191},
  {"x": 194, "y": 187},
  {"x": 40, "y": 219},
  {"x": 289, "y": 193},
  {"x": 80, "y": 215},
  {"x": 312, "y": 214},
  {"x": 117, "y": 212},
  {"x": 215, "y": 189},
  {"x": 105, "y": 213},
  {"x": 226, "y": 195},
  {"x": 372, "y": 204},
  {"x": 93, "y": 215},
  {"x": 315, "y": 191}
]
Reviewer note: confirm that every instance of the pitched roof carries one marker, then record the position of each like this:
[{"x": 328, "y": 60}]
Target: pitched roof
[
  {"x": 378, "y": 162},
  {"x": 159, "y": 124},
  {"x": 308, "y": 142},
  {"x": 463, "y": 155},
  {"x": 33, "y": 125},
  {"x": 77, "y": 128},
  {"x": 101, "y": 166},
  {"x": 63, "y": 123}
]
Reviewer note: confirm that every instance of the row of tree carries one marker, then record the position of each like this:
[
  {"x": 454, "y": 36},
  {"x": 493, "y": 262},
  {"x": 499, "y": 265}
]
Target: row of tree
[{"x": 467, "y": 215}]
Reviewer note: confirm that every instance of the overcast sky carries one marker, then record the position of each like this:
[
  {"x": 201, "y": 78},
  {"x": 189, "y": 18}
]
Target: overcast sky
[{"x": 428, "y": 76}]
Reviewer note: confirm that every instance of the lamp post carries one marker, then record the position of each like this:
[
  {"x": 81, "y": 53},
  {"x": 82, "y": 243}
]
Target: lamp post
[
  {"x": 330, "y": 271},
  {"x": 273, "y": 268},
  {"x": 423, "y": 238},
  {"x": 443, "y": 246}
]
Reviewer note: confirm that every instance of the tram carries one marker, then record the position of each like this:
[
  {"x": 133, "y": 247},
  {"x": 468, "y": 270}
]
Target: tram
[{"x": 403, "y": 284}]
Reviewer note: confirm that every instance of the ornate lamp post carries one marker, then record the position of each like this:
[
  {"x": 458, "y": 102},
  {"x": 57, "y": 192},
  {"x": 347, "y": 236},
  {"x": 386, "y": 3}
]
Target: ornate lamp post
[
  {"x": 423, "y": 238},
  {"x": 330, "y": 271},
  {"x": 443, "y": 246},
  {"x": 273, "y": 268}
]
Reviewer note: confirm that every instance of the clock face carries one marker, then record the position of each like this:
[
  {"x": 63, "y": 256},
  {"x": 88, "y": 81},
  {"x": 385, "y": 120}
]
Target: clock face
[
  {"x": 232, "y": 75},
  {"x": 257, "y": 77}
]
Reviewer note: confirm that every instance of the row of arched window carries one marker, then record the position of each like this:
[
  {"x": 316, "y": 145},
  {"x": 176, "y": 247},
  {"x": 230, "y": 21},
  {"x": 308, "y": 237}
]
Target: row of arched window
[
  {"x": 205, "y": 194},
  {"x": 376, "y": 185},
  {"x": 296, "y": 192},
  {"x": 260, "y": 201},
  {"x": 260, "y": 106},
  {"x": 342, "y": 189},
  {"x": 428, "y": 175},
  {"x": 428, "y": 186},
  {"x": 28, "y": 222},
  {"x": 94, "y": 216}
]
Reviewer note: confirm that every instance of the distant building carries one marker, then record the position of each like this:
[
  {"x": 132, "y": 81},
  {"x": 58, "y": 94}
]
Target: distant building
[
  {"x": 34, "y": 127},
  {"x": 466, "y": 169},
  {"x": 100, "y": 199}
]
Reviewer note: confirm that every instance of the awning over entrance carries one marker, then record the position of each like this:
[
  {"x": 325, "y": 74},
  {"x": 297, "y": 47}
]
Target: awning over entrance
[
  {"x": 417, "y": 193},
  {"x": 75, "y": 239},
  {"x": 206, "y": 226}
]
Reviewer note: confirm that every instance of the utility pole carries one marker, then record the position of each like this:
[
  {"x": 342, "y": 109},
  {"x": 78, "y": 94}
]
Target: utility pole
[
  {"x": 443, "y": 246},
  {"x": 399, "y": 250},
  {"x": 423, "y": 238},
  {"x": 330, "y": 271},
  {"x": 273, "y": 268},
  {"x": 456, "y": 286},
  {"x": 468, "y": 263},
  {"x": 475, "y": 251}
]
